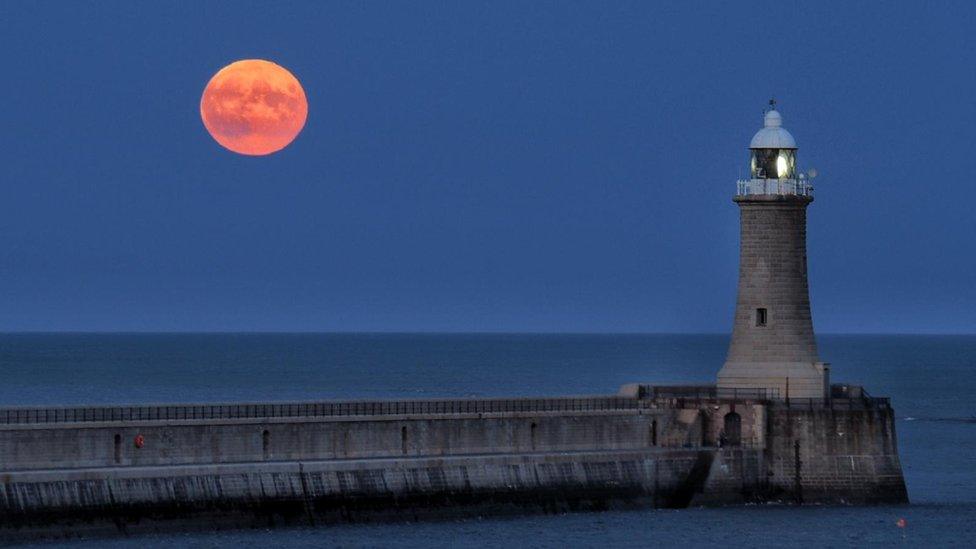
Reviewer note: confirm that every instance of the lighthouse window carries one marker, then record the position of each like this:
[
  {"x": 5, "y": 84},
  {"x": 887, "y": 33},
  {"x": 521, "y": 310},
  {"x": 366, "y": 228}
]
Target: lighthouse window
[
  {"x": 760, "y": 317},
  {"x": 773, "y": 163}
]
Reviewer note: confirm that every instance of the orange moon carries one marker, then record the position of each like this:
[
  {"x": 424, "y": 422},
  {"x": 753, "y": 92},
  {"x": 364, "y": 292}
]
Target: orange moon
[{"x": 254, "y": 107}]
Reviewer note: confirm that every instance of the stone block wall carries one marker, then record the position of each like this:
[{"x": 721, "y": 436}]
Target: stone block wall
[
  {"x": 62, "y": 478},
  {"x": 46, "y": 446},
  {"x": 112, "y": 500},
  {"x": 834, "y": 455},
  {"x": 764, "y": 352}
]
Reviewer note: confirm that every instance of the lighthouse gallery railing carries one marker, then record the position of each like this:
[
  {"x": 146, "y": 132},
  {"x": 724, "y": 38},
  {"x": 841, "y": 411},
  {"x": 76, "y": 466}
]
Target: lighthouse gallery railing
[{"x": 786, "y": 187}]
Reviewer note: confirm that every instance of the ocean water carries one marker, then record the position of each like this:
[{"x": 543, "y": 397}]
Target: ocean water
[{"x": 931, "y": 380}]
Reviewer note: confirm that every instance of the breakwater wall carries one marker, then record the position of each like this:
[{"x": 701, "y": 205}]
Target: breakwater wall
[
  {"x": 834, "y": 455},
  {"x": 206, "y": 434},
  {"x": 66, "y": 471}
]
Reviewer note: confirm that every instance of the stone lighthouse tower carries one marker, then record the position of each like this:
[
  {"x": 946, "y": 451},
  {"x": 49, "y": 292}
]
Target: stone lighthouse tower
[{"x": 773, "y": 345}]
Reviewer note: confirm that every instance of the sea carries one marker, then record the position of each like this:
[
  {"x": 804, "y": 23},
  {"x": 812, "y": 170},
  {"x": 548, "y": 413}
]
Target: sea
[{"x": 930, "y": 379}]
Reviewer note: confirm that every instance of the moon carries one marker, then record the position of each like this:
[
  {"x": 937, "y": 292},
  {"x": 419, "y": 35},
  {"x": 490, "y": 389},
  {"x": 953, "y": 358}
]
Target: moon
[{"x": 254, "y": 107}]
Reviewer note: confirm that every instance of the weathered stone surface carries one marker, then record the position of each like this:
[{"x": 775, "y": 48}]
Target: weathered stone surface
[
  {"x": 773, "y": 277},
  {"x": 344, "y": 490},
  {"x": 66, "y": 478},
  {"x": 833, "y": 455}
]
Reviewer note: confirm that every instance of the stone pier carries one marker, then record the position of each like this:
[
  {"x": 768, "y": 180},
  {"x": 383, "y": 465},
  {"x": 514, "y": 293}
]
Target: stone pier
[{"x": 128, "y": 469}]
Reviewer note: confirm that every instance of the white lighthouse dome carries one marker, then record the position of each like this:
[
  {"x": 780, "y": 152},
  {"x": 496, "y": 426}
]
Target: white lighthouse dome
[{"x": 773, "y": 135}]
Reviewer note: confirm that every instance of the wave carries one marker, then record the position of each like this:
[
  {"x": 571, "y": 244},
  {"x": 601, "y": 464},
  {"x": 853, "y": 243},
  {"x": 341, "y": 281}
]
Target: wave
[{"x": 942, "y": 419}]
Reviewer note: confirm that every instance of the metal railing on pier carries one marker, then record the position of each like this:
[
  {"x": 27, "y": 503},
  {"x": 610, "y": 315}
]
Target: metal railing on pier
[
  {"x": 708, "y": 392},
  {"x": 173, "y": 412},
  {"x": 843, "y": 397},
  {"x": 858, "y": 403},
  {"x": 679, "y": 396}
]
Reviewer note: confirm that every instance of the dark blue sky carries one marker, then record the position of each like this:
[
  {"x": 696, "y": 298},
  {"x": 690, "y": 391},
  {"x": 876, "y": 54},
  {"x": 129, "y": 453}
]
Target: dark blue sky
[{"x": 522, "y": 166}]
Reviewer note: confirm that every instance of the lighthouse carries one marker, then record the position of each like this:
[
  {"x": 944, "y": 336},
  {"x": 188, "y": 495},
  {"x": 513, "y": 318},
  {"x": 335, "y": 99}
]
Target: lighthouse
[{"x": 773, "y": 347}]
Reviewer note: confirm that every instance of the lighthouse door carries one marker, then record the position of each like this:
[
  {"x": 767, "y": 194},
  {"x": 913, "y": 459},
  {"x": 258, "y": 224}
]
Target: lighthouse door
[{"x": 733, "y": 429}]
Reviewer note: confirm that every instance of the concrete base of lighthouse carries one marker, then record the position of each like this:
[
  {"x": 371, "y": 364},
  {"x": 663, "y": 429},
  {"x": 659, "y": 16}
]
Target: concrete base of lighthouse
[{"x": 780, "y": 380}]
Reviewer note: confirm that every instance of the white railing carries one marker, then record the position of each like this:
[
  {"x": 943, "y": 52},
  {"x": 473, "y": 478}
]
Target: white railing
[{"x": 795, "y": 187}]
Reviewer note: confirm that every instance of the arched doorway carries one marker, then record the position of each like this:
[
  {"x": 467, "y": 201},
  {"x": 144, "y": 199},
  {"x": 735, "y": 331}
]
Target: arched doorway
[{"x": 733, "y": 429}]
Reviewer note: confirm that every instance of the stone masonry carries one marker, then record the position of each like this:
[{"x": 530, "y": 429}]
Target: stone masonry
[{"x": 777, "y": 352}]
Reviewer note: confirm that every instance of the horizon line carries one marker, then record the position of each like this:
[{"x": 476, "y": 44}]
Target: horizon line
[{"x": 431, "y": 332}]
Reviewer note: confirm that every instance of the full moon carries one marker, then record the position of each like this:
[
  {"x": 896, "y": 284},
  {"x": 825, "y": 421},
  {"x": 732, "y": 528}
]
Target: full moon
[{"x": 254, "y": 107}]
